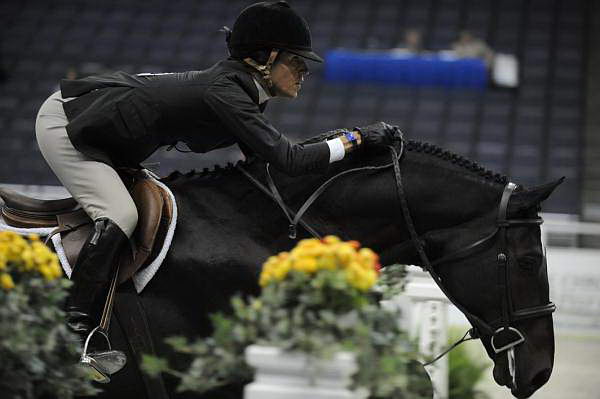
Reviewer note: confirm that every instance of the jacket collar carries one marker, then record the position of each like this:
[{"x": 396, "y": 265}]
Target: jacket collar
[
  {"x": 246, "y": 77},
  {"x": 246, "y": 80}
]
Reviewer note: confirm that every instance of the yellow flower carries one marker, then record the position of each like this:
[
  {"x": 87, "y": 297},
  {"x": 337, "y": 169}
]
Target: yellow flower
[
  {"x": 367, "y": 256},
  {"x": 331, "y": 240},
  {"x": 28, "y": 258},
  {"x": 309, "y": 242},
  {"x": 265, "y": 278},
  {"x": 6, "y": 281},
  {"x": 55, "y": 268},
  {"x": 345, "y": 253},
  {"x": 327, "y": 262},
  {"x": 311, "y": 255},
  {"x": 7, "y": 236},
  {"x": 46, "y": 272},
  {"x": 28, "y": 254},
  {"x": 282, "y": 270},
  {"x": 306, "y": 265},
  {"x": 359, "y": 277}
]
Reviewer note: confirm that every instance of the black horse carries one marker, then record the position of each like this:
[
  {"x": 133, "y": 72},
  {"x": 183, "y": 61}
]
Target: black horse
[{"x": 227, "y": 227}]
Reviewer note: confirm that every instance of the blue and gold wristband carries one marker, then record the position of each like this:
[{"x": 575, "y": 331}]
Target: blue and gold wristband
[{"x": 351, "y": 140}]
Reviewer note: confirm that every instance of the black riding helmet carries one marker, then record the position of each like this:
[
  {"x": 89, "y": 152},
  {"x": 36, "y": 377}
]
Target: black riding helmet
[{"x": 270, "y": 25}]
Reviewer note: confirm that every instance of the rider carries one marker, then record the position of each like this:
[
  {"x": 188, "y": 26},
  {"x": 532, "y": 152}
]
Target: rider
[{"x": 96, "y": 124}]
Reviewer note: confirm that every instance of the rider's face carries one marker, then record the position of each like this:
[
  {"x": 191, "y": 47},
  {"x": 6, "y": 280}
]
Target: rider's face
[{"x": 287, "y": 75}]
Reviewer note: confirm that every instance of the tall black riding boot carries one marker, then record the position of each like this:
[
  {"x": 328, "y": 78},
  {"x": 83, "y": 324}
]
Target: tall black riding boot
[{"x": 92, "y": 273}]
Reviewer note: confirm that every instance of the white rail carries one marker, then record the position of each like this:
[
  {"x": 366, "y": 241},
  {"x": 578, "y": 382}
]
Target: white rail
[{"x": 424, "y": 310}]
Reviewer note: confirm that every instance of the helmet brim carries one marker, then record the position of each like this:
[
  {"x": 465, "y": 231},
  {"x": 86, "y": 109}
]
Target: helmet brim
[{"x": 310, "y": 55}]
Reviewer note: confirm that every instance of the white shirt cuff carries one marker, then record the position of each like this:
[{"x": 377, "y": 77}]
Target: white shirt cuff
[{"x": 336, "y": 150}]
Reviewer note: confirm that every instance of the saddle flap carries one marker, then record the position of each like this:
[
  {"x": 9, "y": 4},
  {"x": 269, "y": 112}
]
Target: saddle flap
[
  {"x": 150, "y": 201},
  {"x": 165, "y": 221}
]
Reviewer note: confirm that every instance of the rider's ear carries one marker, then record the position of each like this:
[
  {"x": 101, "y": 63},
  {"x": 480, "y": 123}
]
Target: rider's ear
[{"x": 531, "y": 197}]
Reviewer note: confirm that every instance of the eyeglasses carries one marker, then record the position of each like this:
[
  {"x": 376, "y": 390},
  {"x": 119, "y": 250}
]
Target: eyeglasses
[{"x": 299, "y": 65}]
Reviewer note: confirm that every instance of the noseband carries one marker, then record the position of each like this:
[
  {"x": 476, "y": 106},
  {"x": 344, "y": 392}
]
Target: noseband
[{"x": 504, "y": 335}]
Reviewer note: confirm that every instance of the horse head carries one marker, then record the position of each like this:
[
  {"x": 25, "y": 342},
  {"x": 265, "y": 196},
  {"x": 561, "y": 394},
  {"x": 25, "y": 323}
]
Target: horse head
[
  {"x": 500, "y": 280},
  {"x": 480, "y": 240}
]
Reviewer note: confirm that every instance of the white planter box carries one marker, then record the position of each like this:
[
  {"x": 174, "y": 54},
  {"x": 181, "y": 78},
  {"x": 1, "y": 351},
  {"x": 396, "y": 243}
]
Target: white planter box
[{"x": 284, "y": 375}]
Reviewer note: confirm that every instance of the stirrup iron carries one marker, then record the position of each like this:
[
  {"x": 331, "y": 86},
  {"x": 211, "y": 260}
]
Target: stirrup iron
[{"x": 103, "y": 364}]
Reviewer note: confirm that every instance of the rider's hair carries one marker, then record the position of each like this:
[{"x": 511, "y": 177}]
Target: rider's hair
[{"x": 260, "y": 56}]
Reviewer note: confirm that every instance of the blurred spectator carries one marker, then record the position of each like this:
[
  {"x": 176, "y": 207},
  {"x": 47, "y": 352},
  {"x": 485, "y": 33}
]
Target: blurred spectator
[
  {"x": 413, "y": 42},
  {"x": 469, "y": 46},
  {"x": 72, "y": 73},
  {"x": 91, "y": 69}
]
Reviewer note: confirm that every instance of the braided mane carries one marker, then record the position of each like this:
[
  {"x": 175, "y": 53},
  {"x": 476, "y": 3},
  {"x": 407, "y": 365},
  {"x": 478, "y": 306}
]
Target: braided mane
[
  {"x": 411, "y": 145},
  {"x": 217, "y": 171},
  {"x": 434, "y": 150}
]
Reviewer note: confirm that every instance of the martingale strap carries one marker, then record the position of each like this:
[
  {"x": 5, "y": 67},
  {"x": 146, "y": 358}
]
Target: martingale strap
[
  {"x": 316, "y": 194},
  {"x": 287, "y": 211},
  {"x": 295, "y": 218}
]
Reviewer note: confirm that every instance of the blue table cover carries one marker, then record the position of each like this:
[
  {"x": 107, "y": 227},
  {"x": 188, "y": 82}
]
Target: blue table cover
[{"x": 400, "y": 68}]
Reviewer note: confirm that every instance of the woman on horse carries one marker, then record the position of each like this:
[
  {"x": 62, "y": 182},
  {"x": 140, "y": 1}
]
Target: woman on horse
[{"x": 96, "y": 124}]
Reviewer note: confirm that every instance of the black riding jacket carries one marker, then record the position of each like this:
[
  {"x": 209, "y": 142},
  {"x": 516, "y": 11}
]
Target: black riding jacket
[{"x": 121, "y": 119}]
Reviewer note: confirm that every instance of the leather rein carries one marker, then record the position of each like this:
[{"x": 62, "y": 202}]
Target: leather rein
[{"x": 504, "y": 336}]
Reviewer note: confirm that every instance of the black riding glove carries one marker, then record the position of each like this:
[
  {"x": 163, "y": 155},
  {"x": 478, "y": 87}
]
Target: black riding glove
[{"x": 379, "y": 134}]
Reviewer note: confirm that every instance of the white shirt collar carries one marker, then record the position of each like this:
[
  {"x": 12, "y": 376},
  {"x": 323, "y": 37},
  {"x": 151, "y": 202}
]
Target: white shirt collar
[{"x": 262, "y": 93}]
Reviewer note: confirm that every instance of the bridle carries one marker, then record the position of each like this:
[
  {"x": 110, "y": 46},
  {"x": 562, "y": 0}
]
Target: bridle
[{"x": 504, "y": 336}]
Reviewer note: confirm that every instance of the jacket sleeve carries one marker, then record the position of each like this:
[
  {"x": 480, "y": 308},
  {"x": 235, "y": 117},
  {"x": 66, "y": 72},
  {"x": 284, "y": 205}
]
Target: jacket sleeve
[{"x": 236, "y": 110}]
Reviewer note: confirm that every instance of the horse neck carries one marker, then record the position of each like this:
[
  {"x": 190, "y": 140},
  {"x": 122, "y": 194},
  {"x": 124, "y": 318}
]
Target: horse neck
[{"x": 365, "y": 205}]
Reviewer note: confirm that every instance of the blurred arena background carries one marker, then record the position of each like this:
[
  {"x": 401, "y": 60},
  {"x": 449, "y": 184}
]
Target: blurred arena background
[{"x": 543, "y": 125}]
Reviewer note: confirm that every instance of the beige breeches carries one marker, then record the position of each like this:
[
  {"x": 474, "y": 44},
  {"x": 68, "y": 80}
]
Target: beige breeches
[{"x": 95, "y": 185}]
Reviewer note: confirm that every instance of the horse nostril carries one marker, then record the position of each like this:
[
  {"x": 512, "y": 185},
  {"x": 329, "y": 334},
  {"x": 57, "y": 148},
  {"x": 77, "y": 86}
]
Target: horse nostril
[{"x": 541, "y": 378}]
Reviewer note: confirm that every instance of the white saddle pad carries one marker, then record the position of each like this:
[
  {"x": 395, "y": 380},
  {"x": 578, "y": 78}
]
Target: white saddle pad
[{"x": 142, "y": 277}]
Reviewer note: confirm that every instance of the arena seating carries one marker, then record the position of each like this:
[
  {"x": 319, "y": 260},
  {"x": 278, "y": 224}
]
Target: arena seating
[{"x": 533, "y": 133}]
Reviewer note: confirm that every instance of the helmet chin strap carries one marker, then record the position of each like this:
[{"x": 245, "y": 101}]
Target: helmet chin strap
[{"x": 265, "y": 70}]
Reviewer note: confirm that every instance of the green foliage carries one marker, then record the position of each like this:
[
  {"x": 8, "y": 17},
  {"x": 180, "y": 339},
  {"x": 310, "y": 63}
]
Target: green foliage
[
  {"x": 391, "y": 282},
  {"x": 464, "y": 373},
  {"x": 316, "y": 314},
  {"x": 38, "y": 353}
]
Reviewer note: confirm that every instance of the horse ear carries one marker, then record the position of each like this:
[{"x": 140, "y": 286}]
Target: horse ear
[{"x": 531, "y": 197}]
